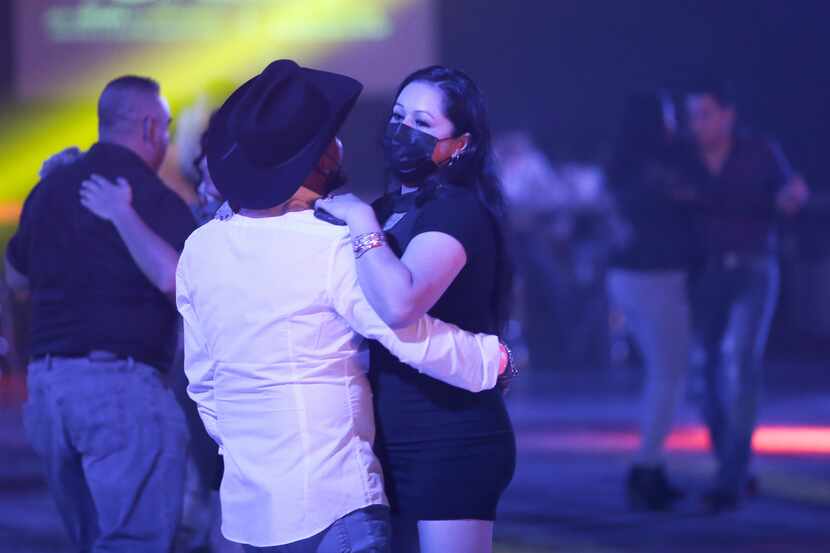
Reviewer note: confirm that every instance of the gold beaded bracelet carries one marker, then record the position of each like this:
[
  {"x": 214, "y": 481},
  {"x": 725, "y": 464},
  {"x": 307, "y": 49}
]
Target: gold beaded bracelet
[{"x": 366, "y": 242}]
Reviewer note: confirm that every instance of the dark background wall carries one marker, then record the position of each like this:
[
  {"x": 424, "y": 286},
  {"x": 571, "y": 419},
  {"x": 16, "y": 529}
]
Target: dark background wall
[
  {"x": 562, "y": 68},
  {"x": 6, "y": 37}
]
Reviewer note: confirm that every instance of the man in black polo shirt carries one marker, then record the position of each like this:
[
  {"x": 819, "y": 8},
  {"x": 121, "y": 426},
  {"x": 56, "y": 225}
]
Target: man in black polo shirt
[
  {"x": 111, "y": 435},
  {"x": 744, "y": 188}
]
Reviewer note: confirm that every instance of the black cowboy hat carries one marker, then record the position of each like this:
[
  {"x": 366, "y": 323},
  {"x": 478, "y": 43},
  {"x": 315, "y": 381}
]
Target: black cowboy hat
[{"x": 269, "y": 134}]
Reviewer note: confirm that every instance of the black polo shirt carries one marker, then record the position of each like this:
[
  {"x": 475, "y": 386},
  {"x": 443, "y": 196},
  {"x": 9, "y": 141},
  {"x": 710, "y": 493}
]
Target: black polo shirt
[{"x": 87, "y": 292}]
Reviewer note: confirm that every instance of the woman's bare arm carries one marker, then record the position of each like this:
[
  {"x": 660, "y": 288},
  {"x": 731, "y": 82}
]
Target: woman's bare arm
[{"x": 401, "y": 290}]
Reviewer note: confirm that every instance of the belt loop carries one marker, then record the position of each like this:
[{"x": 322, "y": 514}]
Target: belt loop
[
  {"x": 130, "y": 363},
  {"x": 48, "y": 360}
]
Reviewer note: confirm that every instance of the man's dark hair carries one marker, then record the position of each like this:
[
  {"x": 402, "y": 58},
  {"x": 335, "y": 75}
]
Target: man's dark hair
[
  {"x": 115, "y": 105},
  {"x": 721, "y": 90},
  {"x": 642, "y": 139}
]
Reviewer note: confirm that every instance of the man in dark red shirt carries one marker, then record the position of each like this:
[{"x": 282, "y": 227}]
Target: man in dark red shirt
[{"x": 744, "y": 188}]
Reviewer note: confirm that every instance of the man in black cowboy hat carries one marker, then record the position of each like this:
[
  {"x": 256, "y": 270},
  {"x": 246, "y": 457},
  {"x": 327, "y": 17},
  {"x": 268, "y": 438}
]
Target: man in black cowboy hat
[{"x": 272, "y": 311}]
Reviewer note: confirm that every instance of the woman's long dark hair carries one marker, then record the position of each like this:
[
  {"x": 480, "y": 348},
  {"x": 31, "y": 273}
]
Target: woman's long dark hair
[
  {"x": 642, "y": 138},
  {"x": 464, "y": 106}
]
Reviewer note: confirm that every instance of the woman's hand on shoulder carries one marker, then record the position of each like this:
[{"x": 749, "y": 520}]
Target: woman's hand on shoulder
[
  {"x": 346, "y": 207},
  {"x": 108, "y": 200}
]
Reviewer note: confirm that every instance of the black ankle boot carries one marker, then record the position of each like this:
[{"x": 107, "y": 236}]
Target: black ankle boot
[{"x": 648, "y": 489}]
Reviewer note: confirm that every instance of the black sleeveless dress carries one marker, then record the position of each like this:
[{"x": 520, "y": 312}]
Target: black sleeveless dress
[{"x": 447, "y": 453}]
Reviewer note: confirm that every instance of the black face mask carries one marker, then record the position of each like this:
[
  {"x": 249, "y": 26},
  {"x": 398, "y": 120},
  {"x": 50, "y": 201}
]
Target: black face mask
[{"x": 408, "y": 152}]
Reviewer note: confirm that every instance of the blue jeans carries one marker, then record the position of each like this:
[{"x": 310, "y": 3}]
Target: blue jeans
[
  {"x": 735, "y": 300},
  {"x": 656, "y": 309},
  {"x": 113, "y": 443},
  {"x": 366, "y": 530}
]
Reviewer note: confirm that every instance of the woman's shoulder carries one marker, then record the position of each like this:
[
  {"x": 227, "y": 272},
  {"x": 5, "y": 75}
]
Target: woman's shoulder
[
  {"x": 457, "y": 212},
  {"x": 457, "y": 201},
  {"x": 455, "y": 192}
]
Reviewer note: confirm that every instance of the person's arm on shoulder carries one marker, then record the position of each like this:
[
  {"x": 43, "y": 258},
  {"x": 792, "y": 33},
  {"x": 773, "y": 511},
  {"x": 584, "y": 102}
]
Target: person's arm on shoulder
[
  {"x": 58, "y": 160},
  {"x": 438, "y": 349},
  {"x": 400, "y": 289},
  {"x": 199, "y": 367},
  {"x": 113, "y": 202}
]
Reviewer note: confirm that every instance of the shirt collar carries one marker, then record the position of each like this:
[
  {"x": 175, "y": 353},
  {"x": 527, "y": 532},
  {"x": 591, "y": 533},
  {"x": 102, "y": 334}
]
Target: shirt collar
[{"x": 118, "y": 154}]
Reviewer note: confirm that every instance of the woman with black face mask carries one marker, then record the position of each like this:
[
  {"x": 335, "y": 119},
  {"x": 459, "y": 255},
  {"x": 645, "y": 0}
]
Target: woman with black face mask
[{"x": 436, "y": 246}]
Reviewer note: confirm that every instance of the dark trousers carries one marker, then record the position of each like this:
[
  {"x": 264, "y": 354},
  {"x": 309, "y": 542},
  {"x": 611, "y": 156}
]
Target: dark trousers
[{"x": 733, "y": 303}]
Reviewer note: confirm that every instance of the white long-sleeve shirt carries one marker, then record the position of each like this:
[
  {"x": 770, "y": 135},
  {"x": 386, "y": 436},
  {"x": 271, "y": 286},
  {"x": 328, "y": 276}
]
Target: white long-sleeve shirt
[{"x": 273, "y": 317}]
